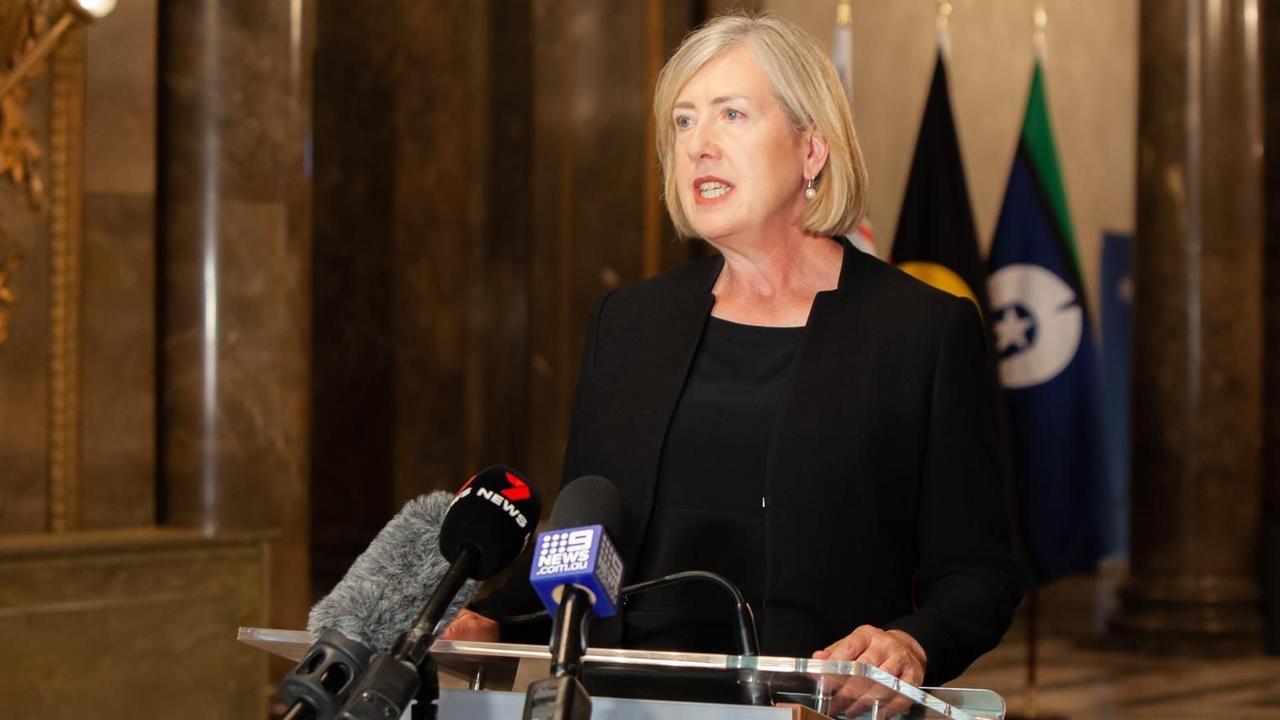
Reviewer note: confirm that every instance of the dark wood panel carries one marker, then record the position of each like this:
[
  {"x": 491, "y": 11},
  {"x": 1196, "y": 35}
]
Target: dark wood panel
[
  {"x": 495, "y": 196},
  {"x": 440, "y": 167},
  {"x": 553, "y": 338},
  {"x": 501, "y": 265},
  {"x": 353, "y": 394}
]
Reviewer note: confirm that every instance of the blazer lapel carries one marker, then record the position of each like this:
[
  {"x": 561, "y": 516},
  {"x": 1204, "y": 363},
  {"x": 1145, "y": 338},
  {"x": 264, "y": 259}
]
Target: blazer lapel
[
  {"x": 675, "y": 329},
  {"x": 823, "y": 393}
]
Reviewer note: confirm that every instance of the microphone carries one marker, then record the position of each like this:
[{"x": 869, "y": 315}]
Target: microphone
[
  {"x": 577, "y": 573},
  {"x": 370, "y": 606},
  {"x": 485, "y": 528},
  {"x": 383, "y": 589}
]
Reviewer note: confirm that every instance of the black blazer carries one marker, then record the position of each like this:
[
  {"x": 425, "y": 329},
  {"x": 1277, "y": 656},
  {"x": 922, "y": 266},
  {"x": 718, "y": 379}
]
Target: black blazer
[{"x": 884, "y": 489}]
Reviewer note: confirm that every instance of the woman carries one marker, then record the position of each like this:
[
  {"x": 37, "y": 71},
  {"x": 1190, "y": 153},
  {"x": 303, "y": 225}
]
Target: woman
[{"x": 792, "y": 413}]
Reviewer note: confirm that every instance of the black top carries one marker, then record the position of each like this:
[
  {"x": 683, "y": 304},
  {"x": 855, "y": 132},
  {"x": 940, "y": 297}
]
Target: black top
[
  {"x": 709, "y": 502},
  {"x": 886, "y": 501}
]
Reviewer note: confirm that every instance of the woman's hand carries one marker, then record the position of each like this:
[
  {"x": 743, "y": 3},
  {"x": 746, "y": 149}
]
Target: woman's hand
[
  {"x": 893, "y": 651},
  {"x": 471, "y": 626}
]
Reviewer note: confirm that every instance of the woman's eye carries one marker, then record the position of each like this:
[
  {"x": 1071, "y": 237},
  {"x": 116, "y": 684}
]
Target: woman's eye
[
  {"x": 732, "y": 114},
  {"x": 684, "y": 122}
]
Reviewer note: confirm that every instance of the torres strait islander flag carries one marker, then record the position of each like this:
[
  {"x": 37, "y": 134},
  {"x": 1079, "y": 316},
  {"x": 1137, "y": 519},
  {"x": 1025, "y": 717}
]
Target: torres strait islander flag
[
  {"x": 935, "y": 240},
  {"x": 1048, "y": 366}
]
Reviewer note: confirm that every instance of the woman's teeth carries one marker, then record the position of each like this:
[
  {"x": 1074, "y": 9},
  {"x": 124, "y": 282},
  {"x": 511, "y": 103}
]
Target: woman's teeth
[{"x": 711, "y": 190}]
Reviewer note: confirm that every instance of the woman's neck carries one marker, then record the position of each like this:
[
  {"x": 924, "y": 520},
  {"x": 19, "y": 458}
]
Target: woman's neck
[{"x": 774, "y": 282}]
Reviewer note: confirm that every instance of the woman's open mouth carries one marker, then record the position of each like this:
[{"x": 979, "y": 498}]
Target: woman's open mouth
[{"x": 710, "y": 189}]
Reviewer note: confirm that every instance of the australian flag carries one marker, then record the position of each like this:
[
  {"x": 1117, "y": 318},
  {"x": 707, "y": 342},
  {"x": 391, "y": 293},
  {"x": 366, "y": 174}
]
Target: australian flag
[{"x": 1048, "y": 365}]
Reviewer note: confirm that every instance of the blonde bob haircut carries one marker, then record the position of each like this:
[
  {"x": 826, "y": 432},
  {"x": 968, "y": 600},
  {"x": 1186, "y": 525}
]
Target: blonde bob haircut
[{"x": 806, "y": 86}]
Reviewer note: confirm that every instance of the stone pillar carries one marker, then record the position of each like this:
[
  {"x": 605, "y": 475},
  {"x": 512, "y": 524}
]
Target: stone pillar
[
  {"x": 234, "y": 276},
  {"x": 1198, "y": 379},
  {"x": 1271, "y": 353}
]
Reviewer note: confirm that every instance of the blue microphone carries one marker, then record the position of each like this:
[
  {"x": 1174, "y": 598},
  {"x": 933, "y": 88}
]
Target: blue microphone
[
  {"x": 581, "y": 557},
  {"x": 577, "y": 572}
]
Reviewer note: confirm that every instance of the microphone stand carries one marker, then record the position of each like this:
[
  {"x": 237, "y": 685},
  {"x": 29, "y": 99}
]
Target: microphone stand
[
  {"x": 317, "y": 686},
  {"x": 569, "y": 638},
  {"x": 561, "y": 696}
]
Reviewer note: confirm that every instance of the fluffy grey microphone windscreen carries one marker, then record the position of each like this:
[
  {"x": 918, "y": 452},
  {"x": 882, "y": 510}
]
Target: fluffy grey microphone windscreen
[{"x": 387, "y": 586}]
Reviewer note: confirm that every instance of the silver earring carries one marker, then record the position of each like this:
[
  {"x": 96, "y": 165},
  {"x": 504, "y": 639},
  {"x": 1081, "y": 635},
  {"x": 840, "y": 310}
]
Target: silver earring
[{"x": 809, "y": 191}]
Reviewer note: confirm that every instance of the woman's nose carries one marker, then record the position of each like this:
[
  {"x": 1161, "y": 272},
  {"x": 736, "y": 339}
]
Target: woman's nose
[{"x": 703, "y": 142}]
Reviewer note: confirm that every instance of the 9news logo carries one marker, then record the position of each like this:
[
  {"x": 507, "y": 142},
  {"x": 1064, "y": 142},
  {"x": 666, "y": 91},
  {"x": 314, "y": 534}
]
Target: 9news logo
[{"x": 565, "y": 552}]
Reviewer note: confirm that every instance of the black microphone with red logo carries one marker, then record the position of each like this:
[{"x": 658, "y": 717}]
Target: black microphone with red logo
[{"x": 486, "y": 527}]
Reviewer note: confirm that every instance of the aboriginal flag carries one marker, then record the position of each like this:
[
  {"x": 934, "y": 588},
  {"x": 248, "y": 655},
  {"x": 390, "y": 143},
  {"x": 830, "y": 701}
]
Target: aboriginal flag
[
  {"x": 935, "y": 239},
  {"x": 1048, "y": 366}
]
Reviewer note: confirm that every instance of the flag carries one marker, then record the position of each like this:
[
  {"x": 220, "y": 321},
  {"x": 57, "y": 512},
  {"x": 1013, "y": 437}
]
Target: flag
[
  {"x": 1048, "y": 366},
  {"x": 935, "y": 239}
]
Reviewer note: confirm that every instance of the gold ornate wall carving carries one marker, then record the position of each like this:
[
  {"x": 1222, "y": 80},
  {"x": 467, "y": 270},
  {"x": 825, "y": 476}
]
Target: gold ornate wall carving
[{"x": 20, "y": 24}]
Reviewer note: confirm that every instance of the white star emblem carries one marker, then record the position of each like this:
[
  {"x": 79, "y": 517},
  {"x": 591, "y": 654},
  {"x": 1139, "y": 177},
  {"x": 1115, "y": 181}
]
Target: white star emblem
[{"x": 1011, "y": 330}]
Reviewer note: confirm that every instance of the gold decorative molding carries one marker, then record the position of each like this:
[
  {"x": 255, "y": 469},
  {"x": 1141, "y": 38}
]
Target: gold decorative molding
[{"x": 66, "y": 172}]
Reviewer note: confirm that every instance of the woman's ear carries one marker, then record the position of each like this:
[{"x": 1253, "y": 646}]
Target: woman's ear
[{"x": 815, "y": 152}]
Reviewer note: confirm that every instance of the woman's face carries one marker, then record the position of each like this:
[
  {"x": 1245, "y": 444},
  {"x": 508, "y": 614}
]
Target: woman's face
[{"x": 739, "y": 165}]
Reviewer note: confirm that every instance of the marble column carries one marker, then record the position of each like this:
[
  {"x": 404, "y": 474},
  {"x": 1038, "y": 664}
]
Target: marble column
[
  {"x": 1271, "y": 353},
  {"x": 1198, "y": 370},
  {"x": 234, "y": 273}
]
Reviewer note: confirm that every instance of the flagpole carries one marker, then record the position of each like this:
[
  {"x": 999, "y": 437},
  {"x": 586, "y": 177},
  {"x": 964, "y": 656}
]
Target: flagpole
[
  {"x": 1040, "y": 49},
  {"x": 842, "y": 47},
  {"x": 943, "y": 25},
  {"x": 1039, "y": 32},
  {"x": 1033, "y": 664},
  {"x": 1039, "y": 45}
]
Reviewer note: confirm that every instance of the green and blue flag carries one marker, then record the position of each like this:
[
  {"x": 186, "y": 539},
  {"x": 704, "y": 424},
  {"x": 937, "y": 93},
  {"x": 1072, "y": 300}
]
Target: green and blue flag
[{"x": 1048, "y": 365}]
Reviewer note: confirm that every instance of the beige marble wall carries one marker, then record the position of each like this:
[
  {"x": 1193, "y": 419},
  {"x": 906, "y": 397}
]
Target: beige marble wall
[{"x": 1092, "y": 85}]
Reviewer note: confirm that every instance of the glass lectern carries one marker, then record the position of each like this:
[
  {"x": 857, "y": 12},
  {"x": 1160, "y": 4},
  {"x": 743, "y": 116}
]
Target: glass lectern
[{"x": 646, "y": 684}]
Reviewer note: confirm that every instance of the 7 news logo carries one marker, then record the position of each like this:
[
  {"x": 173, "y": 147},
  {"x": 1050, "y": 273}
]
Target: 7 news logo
[{"x": 505, "y": 499}]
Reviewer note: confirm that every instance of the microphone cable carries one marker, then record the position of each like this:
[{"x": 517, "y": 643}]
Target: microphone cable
[
  {"x": 744, "y": 623},
  {"x": 745, "y": 635}
]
